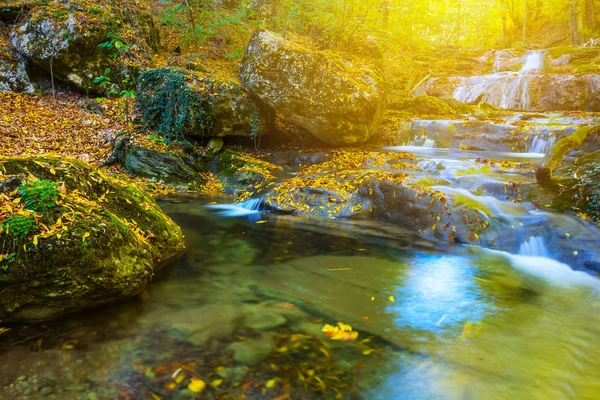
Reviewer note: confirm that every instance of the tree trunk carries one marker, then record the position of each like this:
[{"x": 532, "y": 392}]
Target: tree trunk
[
  {"x": 525, "y": 20},
  {"x": 590, "y": 15},
  {"x": 574, "y": 22}
]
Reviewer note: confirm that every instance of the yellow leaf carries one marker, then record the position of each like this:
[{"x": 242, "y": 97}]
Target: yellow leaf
[
  {"x": 467, "y": 330},
  {"x": 197, "y": 385},
  {"x": 271, "y": 384},
  {"x": 180, "y": 378},
  {"x": 85, "y": 236},
  {"x": 35, "y": 240},
  {"x": 216, "y": 383},
  {"x": 391, "y": 298},
  {"x": 52, "y": 171},
  {"x": 369, "y": 351},
  {"x": 17, "y": 200}
]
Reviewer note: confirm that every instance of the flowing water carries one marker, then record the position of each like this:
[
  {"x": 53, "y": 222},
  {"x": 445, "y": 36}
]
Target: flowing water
[
  {"x": 244, "y": 307},
  {"x": 465, "y": 323}
]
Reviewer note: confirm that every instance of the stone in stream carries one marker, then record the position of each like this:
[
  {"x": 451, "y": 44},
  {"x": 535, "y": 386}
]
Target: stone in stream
[
  {"x": 199, "y": 325},
  {"x": 253, "y": 351},
  {"x": 369, "y": 192},
  {"x": 337, "y": 97},
  {"x": 86, "y": 250},
  {"x": 63, "y": 38}
]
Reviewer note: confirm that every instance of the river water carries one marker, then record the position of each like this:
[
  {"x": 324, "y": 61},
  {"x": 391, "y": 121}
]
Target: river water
[{"x": 244, "y": 307}]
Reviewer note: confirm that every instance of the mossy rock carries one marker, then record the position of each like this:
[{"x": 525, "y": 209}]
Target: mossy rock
[
  {"x": 13, "y": 68},
  {"x": 179, "y": 103},
  {"x": 241, "y": 172},
  {"x": 429, "y": 105},
  {"x": 77, "y": 41},
  {"x": 100, "y": 242}
]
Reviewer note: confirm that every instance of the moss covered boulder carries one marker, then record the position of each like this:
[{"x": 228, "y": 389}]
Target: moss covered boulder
[
  {"x": 91, "y": 45},
  {"x": 337, "y": 97},
  {"x": 73, "y": 238},
  {"x": 179, "y": 103}
]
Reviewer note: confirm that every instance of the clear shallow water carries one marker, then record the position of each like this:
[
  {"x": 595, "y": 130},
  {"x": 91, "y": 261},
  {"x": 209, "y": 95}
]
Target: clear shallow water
[{"x": 465, "y": 323}]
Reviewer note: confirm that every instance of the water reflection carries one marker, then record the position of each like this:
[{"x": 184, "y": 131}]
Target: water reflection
[{"x": 439, "y": 292}]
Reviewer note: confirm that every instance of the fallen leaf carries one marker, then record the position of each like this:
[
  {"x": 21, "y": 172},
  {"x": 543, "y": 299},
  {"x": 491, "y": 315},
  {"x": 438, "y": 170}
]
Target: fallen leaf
[{"x": 197, "y": 385}]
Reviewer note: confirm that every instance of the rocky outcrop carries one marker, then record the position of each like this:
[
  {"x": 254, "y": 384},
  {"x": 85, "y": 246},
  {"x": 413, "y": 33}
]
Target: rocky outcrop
[
  {"x": 338, "y": 98},
  {"x": 13, "y": 67},
  {"x": 92, "y": 48},
  {"x": 75, "y": 238},
  {"x": 179, "y": 103}
]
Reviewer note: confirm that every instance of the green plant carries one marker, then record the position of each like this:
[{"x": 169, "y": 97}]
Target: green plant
[
  {"x": 7, "y": 258},
  {"x": 169, "y": 103},
  {"x": 39, "y": 195},
  {"x": 18, "y": 227}
]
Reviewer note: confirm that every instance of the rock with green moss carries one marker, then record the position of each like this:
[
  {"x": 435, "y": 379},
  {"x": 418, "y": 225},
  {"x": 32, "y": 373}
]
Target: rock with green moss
[
  {"x": 74, "y": 238},
  {"x": 179, "y": 103},
  {"x": 337, "y": 97},
  {"x": 13, "y": 67},
  {"x": 93, "y": 46},
  {"x": 562, "y": 148},
  {"x": 241, "y": 172},
  {"x": 168, "y": 167}
]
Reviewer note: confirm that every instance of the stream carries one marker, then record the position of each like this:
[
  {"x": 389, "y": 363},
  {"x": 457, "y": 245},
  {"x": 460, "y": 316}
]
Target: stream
[{"x": 244, "y": 307}]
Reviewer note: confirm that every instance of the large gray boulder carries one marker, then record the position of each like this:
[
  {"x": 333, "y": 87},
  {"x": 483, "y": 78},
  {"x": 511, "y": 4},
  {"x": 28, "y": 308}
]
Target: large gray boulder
[
  {"x": 64, "y": 37},
  {"x": 337, "y": 97}
]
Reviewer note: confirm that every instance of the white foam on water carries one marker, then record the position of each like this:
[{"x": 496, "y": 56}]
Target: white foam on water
[
  {"x": 534, "y": 246},
  {"x": 248, "y": 207}
]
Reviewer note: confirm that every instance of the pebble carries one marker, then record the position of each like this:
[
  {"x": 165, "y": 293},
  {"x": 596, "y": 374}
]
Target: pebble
[{"x": 45, "y": 391}]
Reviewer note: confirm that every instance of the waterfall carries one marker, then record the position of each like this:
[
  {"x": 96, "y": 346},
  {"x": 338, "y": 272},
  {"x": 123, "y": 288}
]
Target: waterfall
[
  {"x": 422, "y": 140},
  {"x": 542, "y": 145},
  {"x": 534, "y": 61},
  {"x": 245, "y": 208},
  {"x": 535, "y": 246},
  {"x": 509, "y": 90},
  {"x": 252, "y": 204}
]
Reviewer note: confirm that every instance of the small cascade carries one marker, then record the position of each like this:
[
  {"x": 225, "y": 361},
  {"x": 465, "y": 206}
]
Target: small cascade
[
  {"x": 540, "y": 144},
  {"x": 252, "y": 204},
  {"x": 245, "y": 208},
  {"x": 535, "y": 246},
  {"x": 509, "y": 90},
  {"x": 422, "y": 140},
  {"x": 534, "y": 62}
]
